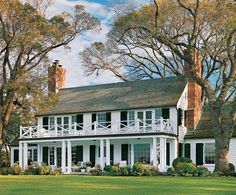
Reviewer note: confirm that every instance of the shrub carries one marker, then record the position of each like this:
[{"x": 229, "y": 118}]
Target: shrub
[
  {"x": 96, "y": 170},
  {"x": 108, "y": 168},
  {"x": 115, "y": 169},
  {"x": 217, "y": 174},
  {"x": 16, "y": 169},
  {"x": 5, "y": 171},
  {"x": 180, "y": 173},
  {"x": 185, "y": 167},
  {"x": 202, "y": 171},
  {"x": 231, "y": 168},
  {"x": 170, "y": 171},
  {"x": 154, "y": 170},
  {"x": 44, "y": 170},
  {"x": 56, "y": 171},
  {"x": 138, "y": 169},
  {"x": 124, "y": 171},
  {"x": 33, "y": 171},
  {"x": 182, "y": 160}
]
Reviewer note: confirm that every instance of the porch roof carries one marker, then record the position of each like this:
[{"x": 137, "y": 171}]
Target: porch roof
[
  {"x": 119, "y": 96},
  {"x": 203, "y": 129}
]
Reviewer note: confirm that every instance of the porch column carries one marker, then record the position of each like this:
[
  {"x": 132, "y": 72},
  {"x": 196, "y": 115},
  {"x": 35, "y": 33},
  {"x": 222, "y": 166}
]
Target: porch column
[
  {"x": 69, "y": 157},
  {"x": 162, "y": 154},
  {"x": 63, "y": 156},
  {"x": 20, "y": 155},
  {"x": 174, "y": 151},
  {"x": 132, "y": 155},
  {"x": 108, "y": 159},
  {"x": 39, "y": 154},
  {"x": 25, "y": 155},
  {"x": 12, "y": 157},
  {"x": 102, "y": 153},
  {"x": 154, "y": 151}
]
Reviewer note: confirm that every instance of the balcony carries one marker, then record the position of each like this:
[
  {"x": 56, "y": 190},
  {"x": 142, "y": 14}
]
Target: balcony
[{"x": 99, "y": 128}]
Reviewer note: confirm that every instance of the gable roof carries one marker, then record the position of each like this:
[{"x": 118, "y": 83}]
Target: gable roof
[
  {"x": 203, "y": 129},
  {"x": 119, "y": 96}
]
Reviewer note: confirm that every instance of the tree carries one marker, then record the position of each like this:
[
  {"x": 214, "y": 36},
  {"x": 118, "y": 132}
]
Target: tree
[
  {"x": 26, "y": 38},
  {"x": 157, "y": 39}
]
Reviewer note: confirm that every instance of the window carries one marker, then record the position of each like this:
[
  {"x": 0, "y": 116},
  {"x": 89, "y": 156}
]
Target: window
[
  {"x": 51, "y": 123},
  {"x": 209, "y": 153},
  {"x": 102, "y": 119},
  {"x": 162, "y": 112},
  {"x": 51, "y": 155},
  {"x": 35, "y": 155},
  {"x": 73, "y": 154},
  {"x": 158, "y": 113},
  {"x": 142, "y": 153},
  {"x": 104, "y": 151},
  {"x": 131, "y": 118}
]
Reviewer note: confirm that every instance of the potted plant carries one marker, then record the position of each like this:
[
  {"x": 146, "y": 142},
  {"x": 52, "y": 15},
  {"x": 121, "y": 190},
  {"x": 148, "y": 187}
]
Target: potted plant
[
  {"x": 82, "y": 167},
  {"x": 88, "y": 166}
]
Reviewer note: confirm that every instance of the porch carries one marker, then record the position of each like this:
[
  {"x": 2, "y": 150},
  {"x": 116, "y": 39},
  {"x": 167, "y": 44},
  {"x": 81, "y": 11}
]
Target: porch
[
  {"x": 67, "y": 153},
  {"x": 98, "y": 128}
]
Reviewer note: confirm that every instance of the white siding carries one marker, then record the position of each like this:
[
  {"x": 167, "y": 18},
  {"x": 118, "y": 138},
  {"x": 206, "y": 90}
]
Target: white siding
[
  {"x": 183, "y": 100},
  {"x": 173, "y": 118},
  {"x": 87, "y": 120},
  {"x": 115, "y": 116},
  {"x": 232, "y": 151}
]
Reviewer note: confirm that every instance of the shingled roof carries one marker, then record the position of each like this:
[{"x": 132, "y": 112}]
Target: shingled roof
[
  {"x": 119, "y": 96},
  {"x": 204, "y": 127}
]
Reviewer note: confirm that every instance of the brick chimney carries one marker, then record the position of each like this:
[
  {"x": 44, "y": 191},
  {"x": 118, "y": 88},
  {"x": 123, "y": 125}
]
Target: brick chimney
[
  {"x": 194, "y": 111},
  {"x": 56, "y": 77}
]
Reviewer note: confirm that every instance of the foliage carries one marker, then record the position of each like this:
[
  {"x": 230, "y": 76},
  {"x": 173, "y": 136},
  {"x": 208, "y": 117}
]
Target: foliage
[
  {"x": 108, "y": 168},
  {"x": 44, "y": 170},
  {"x": 231, "y": 168},
  {"x": 88, "y": 164},
  {"x": 56, "y": 171},
  {"x": 138, "y": 169},
  {"x": 185, "y": 167},
  {"x": 96, "y": 171},
  {"x": 181, "y": 159},
  {"x": 124, "y": 171},
  {"x": 202, "y": 171},
  {"x": 16, "y": 168},
  {"x": 170, "y": 171}
]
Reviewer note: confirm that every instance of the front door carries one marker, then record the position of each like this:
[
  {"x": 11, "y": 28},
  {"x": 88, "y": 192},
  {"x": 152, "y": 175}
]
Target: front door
[{"x": 92, "y": 152}]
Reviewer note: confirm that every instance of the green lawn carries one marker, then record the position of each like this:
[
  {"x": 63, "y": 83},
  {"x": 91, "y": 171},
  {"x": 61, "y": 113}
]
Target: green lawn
[{"x": 74, "y": 184}]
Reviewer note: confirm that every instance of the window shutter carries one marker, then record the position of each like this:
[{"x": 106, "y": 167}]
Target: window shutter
[
  {"x": 124, "y": 152},
  {"x": 123, "y": 118},
  {"x": 16, "y": 155},
  {"x": 108, "y": 119},
  {"x": 187, "y": 149},
  {"x": 45, "y": 155},
  {"x": 93, "y": 119},
  {"x": 179, "y": 117},
  {"x": 165, "y": 113},
  {"x": 45, "y": 122},
  {"x": 79, "y": 154},
  {"x": 112, "y": 154},
  {"x": 168, "y": 154},
  {"x": 79, "y": 119},
  {"x": 199, "y": 153},
  {"x": 180, "y": 150}
]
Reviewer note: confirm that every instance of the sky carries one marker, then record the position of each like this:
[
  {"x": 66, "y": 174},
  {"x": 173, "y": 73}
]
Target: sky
[{"x": 70, "y": 59}]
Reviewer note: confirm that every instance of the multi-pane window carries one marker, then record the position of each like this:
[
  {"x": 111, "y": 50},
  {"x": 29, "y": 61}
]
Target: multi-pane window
[
  {"x": 131, "y": 119},
  {"x": 103, "y": 152},
  {"x": 142, "y": 153},
  {"x": 59, "y": 157},
  {"x": 102, "y": 119},
  {"x": 51, "y": 123},
  {"x": 32, "y": 154},
  {"x": 51, "y": 155},
  {"x": 73, "y": 154},
  {"x": 209, "y": 153}
]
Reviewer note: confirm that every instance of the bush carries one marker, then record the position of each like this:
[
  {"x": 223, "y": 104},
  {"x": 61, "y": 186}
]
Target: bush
[
  {"x": 154, "y": 170},
  {"x": 16, "y": 169},
  {"x": 7, "y": 171},
  {"x": 33, "y": 171},
  {"x": 138, "y": 169},
  {"x": 231, "y": 168},
  {"x": 186, "y": 167},
  {"x": 170, "y": 171},
  {"x": 115, "y": 169},
  {"x": 97, "y": 171},
  {"x": 56, "y": 171},
  {"x": 180, "y": 173},
  {"x": 182, "y": 160},
  {"x": 202, "y": 171},
  {"x": 108, "y": 168},
  {"x": 44, "y": 170},
  {"x": 124, "y": 171}
]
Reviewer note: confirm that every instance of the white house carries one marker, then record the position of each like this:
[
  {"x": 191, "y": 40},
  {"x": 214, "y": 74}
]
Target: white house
[{"x": 150, "y": 121}]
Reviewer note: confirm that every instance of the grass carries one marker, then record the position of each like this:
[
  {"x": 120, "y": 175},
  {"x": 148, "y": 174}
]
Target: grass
[{"x": 74, "y": 184}]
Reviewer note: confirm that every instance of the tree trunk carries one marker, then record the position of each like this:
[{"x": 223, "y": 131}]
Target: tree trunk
[{"x": 222, "y": 154}]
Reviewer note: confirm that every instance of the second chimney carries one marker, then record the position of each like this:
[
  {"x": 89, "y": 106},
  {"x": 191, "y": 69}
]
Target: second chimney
[
  {"x": 56, "y": 77},
  {"x": 194, "y": 111}
]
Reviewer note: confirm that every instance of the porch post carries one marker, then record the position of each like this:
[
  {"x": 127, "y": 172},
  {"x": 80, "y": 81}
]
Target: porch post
[
  {"x": 132, "y": 155},
  {"x": 108, "y": 152},
  {"x": 39, "y": 158},
  {"x": 154, "y": 151},
  {"x": 102, "y": 153},
  {"x": 25, "y": 155},
  {"x": 174, "y": 146},
  {"x": 162, "y": 154},
  {"x": 20, "y": 155},
  {"x": 63, "y": 156},
  {"x": 69, "y": 157},
  {"x": 12, "y": 156}
]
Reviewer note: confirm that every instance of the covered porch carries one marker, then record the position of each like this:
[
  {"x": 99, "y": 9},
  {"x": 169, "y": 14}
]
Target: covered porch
[{"x": 157, "y": 150}]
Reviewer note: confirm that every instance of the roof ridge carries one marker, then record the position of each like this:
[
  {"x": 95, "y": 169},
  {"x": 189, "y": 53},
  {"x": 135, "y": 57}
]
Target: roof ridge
[{"x": 123, "y": 82}]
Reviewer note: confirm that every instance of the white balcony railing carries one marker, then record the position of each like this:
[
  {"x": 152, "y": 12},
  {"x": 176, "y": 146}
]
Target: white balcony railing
[{"x": 96, "y": 128}]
